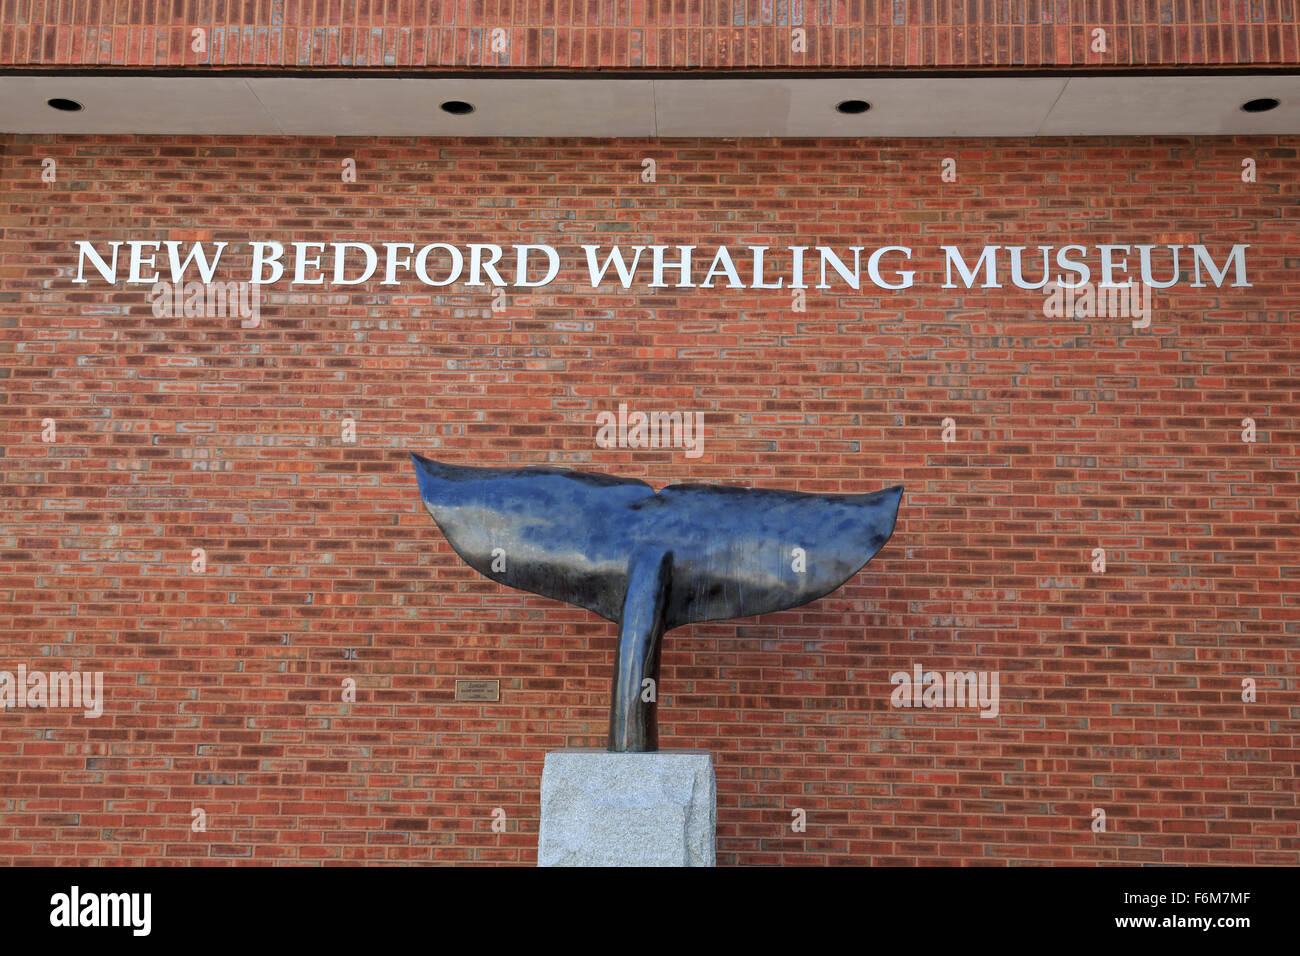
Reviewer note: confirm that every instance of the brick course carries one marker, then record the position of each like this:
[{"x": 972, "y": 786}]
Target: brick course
[
  {"x": 649, "y": 34},
  {"x": 1119, "y": 690}
]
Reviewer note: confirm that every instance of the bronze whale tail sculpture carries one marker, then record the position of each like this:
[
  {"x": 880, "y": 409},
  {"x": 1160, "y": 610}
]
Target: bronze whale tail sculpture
[{"x": 651, "y": 561}]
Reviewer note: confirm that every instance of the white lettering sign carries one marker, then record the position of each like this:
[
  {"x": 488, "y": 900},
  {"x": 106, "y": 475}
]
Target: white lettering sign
[{"x": 530, "y": 266}]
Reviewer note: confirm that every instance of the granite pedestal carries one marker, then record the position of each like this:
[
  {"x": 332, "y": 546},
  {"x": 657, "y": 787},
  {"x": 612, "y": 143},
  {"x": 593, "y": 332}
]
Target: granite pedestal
[{"x": 627, "y": 809}]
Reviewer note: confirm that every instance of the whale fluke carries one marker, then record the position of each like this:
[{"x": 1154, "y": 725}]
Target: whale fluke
[{"x": 652, "y": 561}]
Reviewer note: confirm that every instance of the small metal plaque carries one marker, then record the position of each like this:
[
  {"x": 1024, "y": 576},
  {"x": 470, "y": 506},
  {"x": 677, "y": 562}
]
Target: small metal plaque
[{"x": 478, "y": 690}]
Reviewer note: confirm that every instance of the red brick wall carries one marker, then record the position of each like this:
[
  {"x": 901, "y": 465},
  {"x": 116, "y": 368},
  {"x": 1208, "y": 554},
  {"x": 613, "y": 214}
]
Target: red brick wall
[
  {"x": 650, "y": 34},
  {"x": 1120, "y": 691}
]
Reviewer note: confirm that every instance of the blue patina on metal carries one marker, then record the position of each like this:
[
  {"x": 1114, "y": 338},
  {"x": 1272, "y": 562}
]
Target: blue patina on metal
[{"x": 652, "y": 561}]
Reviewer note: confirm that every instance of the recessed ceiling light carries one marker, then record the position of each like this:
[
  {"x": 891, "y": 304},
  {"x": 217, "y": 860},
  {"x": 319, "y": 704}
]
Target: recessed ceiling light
[
  {"x": 68, "y": 106},
  {"x": 853, "y": 106},
  {"x": 1260, "y": 105},
  {"x": 457, "y": 107}
]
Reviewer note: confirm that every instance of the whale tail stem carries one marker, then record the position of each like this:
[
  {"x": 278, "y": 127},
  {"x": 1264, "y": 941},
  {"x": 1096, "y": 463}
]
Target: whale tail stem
[{"x": 633, "y": 727}]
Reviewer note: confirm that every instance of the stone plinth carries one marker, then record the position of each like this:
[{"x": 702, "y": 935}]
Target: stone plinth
[{"x": 627, "y": 809}]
